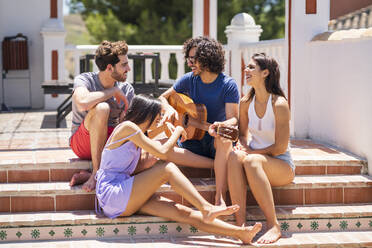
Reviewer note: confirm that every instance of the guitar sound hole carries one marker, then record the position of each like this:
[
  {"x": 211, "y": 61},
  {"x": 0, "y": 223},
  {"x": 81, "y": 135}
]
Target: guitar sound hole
[{"x": 185, "y": 121}]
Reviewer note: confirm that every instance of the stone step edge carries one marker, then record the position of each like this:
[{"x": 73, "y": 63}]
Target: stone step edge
[
  {"x": 201, "y": 184},
  {"x": 87, "y": 217},
  {"x": 75, "y": 163}
]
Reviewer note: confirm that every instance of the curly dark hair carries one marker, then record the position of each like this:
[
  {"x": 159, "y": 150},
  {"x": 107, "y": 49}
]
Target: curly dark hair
[
  {"x": 210, "y": 55},
  {"x": 190, "y": 43},
  {"x": 108, "y": 52}
]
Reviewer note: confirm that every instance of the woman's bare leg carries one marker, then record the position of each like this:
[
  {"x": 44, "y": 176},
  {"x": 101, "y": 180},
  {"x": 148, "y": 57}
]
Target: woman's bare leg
[
  {"x": 146, "y": 183},
  {"x": 237, "y": 182},
  {"x": 263, "y": 172},
  {"x": 180, "y": 213}
]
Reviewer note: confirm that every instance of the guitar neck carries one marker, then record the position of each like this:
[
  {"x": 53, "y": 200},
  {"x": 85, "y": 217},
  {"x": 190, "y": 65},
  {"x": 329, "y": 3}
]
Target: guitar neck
[
  {"x": 203, "y": 125},
  {"x": 226, "y": 132}
]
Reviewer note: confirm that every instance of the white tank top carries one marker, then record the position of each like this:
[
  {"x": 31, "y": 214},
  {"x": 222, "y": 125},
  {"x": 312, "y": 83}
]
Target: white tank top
[{"x": 262, "y": 130}]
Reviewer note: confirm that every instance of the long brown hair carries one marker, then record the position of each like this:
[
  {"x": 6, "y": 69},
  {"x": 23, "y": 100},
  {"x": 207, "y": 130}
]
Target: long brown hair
[{"x": 272, "y": 81}]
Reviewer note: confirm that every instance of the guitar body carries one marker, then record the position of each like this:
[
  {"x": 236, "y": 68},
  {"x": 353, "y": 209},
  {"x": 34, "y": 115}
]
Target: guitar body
[
  {"x": 187, "y": 108},
  {"x": 193, "y": 118}
]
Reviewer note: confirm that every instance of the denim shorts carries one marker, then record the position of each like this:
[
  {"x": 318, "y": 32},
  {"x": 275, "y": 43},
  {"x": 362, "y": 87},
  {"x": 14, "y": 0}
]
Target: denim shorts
[
  {"x": 203, "y": 147},
  {"x": 286, "y": 157}
]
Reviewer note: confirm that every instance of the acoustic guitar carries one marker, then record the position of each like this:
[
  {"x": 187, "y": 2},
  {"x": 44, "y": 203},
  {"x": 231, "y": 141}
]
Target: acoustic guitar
[{"x": 193, "y": 117}]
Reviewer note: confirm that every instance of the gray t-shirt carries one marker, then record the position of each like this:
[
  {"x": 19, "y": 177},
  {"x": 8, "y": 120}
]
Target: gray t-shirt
[{"x": 90, "y": 80}]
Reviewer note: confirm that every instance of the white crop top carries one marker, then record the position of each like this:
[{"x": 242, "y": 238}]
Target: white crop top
[{"x": 262, "y": 130}]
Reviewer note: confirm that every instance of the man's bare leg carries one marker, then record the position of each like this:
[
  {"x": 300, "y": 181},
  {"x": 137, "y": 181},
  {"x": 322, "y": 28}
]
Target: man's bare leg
[
  {"x": 96, "y": 123},
  {"x": 237, "y": 182},
  {"x": 184, "y": 157},
  {"x": 223, "y": 149}
]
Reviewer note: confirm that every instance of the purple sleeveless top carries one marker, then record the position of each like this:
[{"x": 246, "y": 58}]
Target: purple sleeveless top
[{"x": 114, "y": 183}]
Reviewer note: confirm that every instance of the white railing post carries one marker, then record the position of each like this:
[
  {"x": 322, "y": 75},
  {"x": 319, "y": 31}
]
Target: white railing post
[
  {"x": 180, "y": 64},
  {"x": 77, "y": 55},
  {"x": 164, "y": 61},
  {"x": 243, "y": 29},
  {"x": 130, "y": 74},
  {"x": 148, "y": 70}
]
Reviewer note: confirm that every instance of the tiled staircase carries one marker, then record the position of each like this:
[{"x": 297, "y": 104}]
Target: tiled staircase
[{"x": 329, "y": 204}]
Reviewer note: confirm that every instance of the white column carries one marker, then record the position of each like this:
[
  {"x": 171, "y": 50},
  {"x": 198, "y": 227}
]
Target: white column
[
  {"x": 53, "y": 34},
  {"x": 213, "y": 19},
  {"x": 243, "y": 29},
  {"x": 197, "y": 17},
  {"x": 303, "y": 28}
]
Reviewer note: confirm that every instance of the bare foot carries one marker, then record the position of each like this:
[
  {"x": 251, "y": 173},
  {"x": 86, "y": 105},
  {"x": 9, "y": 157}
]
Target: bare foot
[
  {"x": 90, "y": 185},
  {"x": 250, "y": 232},
  {"x": 80, "y": 177},
  {"x": 220, "y": 202},
  {"x": 215, "y": 211},
  {"x": 272, "y": 235}
]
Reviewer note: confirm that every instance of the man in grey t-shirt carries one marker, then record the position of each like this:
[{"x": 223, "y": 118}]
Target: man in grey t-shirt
[{"x": 99, "y": 102}]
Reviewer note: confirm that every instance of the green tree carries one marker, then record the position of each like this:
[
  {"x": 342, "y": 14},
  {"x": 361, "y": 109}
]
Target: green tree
[
  {"x": 148, "y": 22},
  {"x": 140, "y": 22},
  {"x": 270, "y": 14}
]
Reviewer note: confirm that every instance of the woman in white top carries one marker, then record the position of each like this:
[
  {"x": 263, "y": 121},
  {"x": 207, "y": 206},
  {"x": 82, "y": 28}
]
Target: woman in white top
[{"x": 264, "y": 160}]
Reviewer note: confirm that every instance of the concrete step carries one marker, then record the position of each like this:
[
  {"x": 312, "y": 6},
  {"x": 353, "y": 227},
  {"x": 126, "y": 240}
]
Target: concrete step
[
  {"x": 59, "y": 164},
  {"x": 87, "y": 225},
  {"x": 59, "y": 196},
  {"x": 290, "y": 240}
]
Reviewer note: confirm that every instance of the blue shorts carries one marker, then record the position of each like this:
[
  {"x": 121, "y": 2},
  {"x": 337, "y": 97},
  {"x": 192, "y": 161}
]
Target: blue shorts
[
  {"x": 286, "y": 157},
  {"x": 203, "y": 147}
]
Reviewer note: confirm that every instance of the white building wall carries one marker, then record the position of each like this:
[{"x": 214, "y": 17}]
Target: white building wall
[
  {"x": 27, "y": 17},
  {"x": 303, "y": 28},
  {"x": 339, "y": 89}
]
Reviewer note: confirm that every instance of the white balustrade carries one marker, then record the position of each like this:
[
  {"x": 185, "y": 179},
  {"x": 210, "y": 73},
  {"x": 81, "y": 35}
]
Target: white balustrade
[{"x": 164, "y": 51}]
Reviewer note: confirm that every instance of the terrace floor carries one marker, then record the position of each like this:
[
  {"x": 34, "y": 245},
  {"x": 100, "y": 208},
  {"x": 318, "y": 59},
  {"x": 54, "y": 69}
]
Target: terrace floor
[{"x": 24, "y": 134}]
